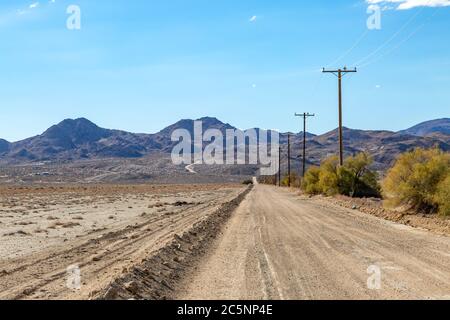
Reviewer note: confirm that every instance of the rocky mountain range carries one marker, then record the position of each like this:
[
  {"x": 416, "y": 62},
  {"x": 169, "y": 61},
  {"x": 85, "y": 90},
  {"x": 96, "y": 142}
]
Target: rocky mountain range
[
  {"x": 73, "y": 140},
  {"x": 429, "y": 128}
]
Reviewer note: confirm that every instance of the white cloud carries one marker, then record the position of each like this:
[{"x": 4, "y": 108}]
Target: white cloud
[
  {"x": 12, "y": 16},
  {"x": 253, "y": 19},
  {"x": 409, "y": 4}
]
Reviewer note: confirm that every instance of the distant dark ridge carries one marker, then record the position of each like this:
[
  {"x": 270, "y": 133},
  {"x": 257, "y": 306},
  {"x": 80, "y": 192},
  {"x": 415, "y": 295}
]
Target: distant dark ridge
[{"x": 76, "y": 139}]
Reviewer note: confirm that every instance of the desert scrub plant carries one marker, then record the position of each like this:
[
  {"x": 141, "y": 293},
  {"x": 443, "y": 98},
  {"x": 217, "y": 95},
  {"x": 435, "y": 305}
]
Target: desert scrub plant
[
  {"x": 415, "y": 180},
  {"x": 442, "y": 196},
  {"x": 310, "y": 183},
  {"x": 353, "y": 179},
  {"x": 356, "y": 179},
  {"x": 328, "y": 176},
  {"x": 295, "y": 180}
]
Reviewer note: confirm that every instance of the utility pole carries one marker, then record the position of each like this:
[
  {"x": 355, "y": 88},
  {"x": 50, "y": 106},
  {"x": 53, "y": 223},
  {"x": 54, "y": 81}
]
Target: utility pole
[
  {"x": 289, "y": 160},
  {"x": 305, "y": 115},
  {"x": 339, "y": 74},
  {"x": 279, "y": 165}
]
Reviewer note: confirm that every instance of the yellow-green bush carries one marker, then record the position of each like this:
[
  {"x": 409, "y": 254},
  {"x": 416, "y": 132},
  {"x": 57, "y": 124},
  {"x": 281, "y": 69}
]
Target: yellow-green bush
[
  {"x": 442, "y": 197},
  {"x": 417, "y": 180},
  {"x": 310, "y": 182},
  {"x": 295, "y": 180},
  {"x": 353, "y": 179},
  {"x": 328, "y": 177}
]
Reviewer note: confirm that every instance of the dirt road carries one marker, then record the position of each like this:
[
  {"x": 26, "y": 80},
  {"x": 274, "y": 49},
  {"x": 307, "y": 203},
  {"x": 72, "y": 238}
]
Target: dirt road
[{"x": 279, "y": 245}]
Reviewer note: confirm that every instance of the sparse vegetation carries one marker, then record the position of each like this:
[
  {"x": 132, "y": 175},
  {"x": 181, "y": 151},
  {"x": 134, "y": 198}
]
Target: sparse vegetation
[
  {"x": 420, "y": 180},
  {"x": 442, "y": 197},
  {"x": 310, "y": 183},
  {"x": 270, "y": 180},
  {"x": 356, "y": 179},
  {"x": 353, "y": 179},
  {"x": 295, "y": 180}
]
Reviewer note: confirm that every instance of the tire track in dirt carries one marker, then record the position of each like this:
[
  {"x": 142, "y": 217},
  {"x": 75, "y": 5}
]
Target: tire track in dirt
[
  {"x": 41, "y": 277},
  {"x": 158, "y": 276}
]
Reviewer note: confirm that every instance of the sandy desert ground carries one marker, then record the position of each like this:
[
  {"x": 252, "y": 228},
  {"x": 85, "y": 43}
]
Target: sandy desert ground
[{"x": 103, "y": 229}]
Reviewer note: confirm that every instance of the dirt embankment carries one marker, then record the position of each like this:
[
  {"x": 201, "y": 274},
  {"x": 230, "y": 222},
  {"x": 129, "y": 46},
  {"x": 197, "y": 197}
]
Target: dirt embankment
[
  {"x": 158, "y": 276},
  {"x": 430, "y": 222}
]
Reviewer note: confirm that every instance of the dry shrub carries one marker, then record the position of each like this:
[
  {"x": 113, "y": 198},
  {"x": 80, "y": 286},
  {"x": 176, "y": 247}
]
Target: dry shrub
[
  {"x": 353, "y": 179},
  {"x": 420, "y": 180},
  {"x": 311, "y": 181},
  {"x": 295, "y": 180},
  {"x": 442, "y": 196}
]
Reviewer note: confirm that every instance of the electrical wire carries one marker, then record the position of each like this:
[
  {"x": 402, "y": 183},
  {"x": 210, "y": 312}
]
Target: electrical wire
[
  {"x": 396, "y": 47},
  {"x": 381, "y": 47},
  {"x": 353, "y": 47}
]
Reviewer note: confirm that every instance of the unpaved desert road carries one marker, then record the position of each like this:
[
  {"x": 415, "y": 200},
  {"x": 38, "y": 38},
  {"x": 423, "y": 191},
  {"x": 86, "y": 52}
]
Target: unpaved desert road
[{"x": 279, "y": 245}]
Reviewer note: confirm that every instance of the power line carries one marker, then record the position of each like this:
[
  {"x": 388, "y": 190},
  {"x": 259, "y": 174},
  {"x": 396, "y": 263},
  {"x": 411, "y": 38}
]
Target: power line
[
  {"x": 392, "y": 49},
  {"x": 339, "y": 74},
  {"x": 305, "y": 115},
  {"x": 316, "y": 84},
  {"x": 313, "y": 91},
  {"x": 381, "y": 47},
  {"x": 353, "y": 47}
]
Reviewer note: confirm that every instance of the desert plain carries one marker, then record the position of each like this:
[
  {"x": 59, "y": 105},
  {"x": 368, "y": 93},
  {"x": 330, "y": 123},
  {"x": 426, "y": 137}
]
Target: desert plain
[{"x": 101, "y": 229}]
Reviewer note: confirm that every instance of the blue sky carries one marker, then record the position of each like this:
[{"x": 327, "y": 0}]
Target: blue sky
[{"x": 141, "y": 65}]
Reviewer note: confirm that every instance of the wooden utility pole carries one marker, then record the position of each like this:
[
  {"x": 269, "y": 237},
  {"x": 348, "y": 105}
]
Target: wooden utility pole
[
  {"x": 279, "y": 166},
  {"x": 340, "y": 73},
  {"x": 305, "y": 116},
  {"x": 289, "y": 160}
]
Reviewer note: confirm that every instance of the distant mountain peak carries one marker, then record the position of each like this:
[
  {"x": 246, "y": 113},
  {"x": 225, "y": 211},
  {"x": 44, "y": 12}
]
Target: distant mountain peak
[
  {"x": 214, "y": 119},
  {"x": 214, "y": 122},
  {"x": 439, "y": 126},
  {"x": 75, "y": 132},
  {"x": 79, "y": 122},
  {"x": 188, "y": 124}
]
